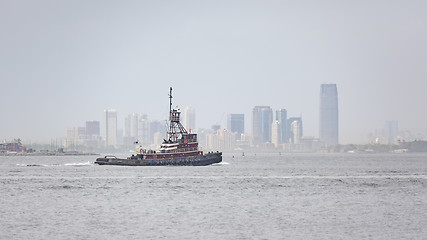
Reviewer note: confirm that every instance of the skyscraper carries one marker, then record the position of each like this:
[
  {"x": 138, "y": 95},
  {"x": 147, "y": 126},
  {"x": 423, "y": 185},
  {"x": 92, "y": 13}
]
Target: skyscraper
[
  {"x": 75, "y": 136},
  {"x": 110, "y": 118},
  {"x": 92, "y": 128},
  {"x": 236, "y": 123},
  {"x": 262, "y": 118},
  {"x": 328, "y": 122},
  {"x": 281, "y": 117},
  {"x": 391, "y": 130},
  {"x": 276, "y": 133},
  {"x": 190, "y": 118},
  {"x": 131, "y": 125},
  {"x": 295, "y": 129},
  {"x": 144, "y": 130},
  {"x": 157, "y": 127}
]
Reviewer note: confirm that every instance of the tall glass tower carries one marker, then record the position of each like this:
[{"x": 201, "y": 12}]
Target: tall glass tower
[
  {"x": 262, "y": 118},
  {"x": 110, "y": 131},
  {"x": 328, "y": 122},
  {"x": 281, "y": 117},
  {"x": 294, "y": 129},
  {"x": 236, "y": 123},
  {"x": 190, "y": 119}
]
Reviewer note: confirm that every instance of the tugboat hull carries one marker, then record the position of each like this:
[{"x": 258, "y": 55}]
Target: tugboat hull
[{"x": 199, "y": 160}]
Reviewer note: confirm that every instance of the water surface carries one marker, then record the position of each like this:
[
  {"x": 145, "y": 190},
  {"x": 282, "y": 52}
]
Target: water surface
[{"x": 258, "y": 196}]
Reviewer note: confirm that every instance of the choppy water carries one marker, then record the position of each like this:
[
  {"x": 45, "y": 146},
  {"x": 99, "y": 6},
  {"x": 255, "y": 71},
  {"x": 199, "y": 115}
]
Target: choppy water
[{"x": 263, "y": 196}]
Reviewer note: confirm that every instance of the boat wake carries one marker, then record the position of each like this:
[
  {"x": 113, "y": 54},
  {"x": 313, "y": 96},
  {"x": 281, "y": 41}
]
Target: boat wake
[
  {"x": 36, "y": 165},
  {"x": 221, "y": 163},
  {"x": 53, "y": 165},
  {"x": 79, "y": 164}
]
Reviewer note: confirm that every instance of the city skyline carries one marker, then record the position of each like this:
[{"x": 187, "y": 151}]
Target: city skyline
[
  {"x": 137, "y": 126},
  {"x": 150, "y": 132},
  {"x": 140, "y": 125},
  {"x": 220, "y": 57}
]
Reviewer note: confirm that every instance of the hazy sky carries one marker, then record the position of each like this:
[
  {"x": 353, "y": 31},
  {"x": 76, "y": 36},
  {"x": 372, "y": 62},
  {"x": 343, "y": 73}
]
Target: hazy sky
[{"x": 64, "y": 62}]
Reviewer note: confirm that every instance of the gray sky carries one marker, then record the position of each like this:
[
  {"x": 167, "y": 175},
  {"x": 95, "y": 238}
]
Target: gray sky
[{"x": 64, "y": 62}]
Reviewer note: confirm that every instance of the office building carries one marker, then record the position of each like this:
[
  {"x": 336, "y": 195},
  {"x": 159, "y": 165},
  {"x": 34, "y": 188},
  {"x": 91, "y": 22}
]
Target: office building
[
  {"x": 236, "y": 123},
  {"x": 391, "y": 131},
  {"x": 293, "y": 132},
  {"x": 110, "y": 131},
  {"x": 296, "y": 130},
  {"x": 131, "y": 125},
  {"x": 157, "y": 127},
  {"x": 276, "y": 133},
  {"x": 328, "y": 122},
  {"x": 190, "y": 119},
  {"x": 75, "y": 137},
  {"x": 262, "y": 118},
  {"x": 281, "y": 117},
  {"x": 221, "y": 139},
  {"x": 144, "y": 130},
  {"x": 92, "y": 128}
]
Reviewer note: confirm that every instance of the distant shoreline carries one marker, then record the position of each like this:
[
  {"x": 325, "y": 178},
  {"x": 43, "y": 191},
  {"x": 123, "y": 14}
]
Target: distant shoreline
[{"x": 50, "y": 154}]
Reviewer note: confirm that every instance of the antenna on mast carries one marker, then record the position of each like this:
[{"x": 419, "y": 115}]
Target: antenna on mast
[{"x": 170, "y": 98}]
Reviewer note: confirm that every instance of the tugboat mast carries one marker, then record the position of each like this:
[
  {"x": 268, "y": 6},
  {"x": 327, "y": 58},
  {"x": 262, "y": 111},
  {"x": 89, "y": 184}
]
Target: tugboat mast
[
  {"x": 176, "y": 130},
  {"x": 170, "y": 98}
]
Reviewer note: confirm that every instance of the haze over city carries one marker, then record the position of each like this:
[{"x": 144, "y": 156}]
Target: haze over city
[{"x": 63, "y": 63}]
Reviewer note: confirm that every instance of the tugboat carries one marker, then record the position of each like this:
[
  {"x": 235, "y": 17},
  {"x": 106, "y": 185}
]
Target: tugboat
[{"x": 180, "y": 149}]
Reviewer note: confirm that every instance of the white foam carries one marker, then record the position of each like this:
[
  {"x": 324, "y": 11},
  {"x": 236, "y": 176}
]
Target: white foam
[
  {"x": 79, "y": 164},
  {"x": 34, "y": 165},
  {"x": 222, "y": 163}
]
